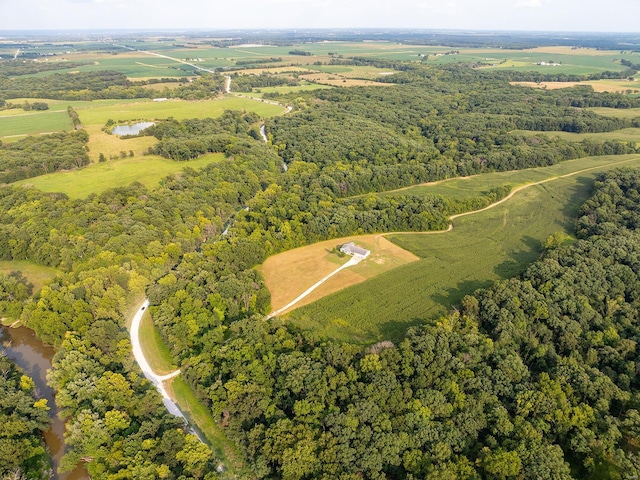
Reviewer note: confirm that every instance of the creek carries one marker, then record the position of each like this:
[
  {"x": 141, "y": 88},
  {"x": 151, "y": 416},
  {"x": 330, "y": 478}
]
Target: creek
[{"x": 21, "y": 345}]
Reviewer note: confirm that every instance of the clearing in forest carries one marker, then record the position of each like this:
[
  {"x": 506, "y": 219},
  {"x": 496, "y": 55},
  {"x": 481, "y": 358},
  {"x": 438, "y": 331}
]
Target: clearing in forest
[
  {"x": 482, "y": 248},
  {"x": 290, "y": 273}
]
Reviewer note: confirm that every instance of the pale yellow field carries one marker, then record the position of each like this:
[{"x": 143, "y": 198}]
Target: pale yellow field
[
  {"x": 290, "y": 273},
  {"x": 614, "y": 86},
  {"x": 338, "y": 80},
  {"x": 102, "y": 142}
]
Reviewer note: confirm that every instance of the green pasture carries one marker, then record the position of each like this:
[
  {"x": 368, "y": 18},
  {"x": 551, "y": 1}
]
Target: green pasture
[
  {"x": 199, "y": 414},
  {"x": 482, "y": 248},
  {"x": 623, "y": 135},
  {"x": 178, "y": 109},
  {"x": 155, "y": 351},
  {"x": 36, "y": 274},
  {"x": 616, "y": 112},
  {"x": 34, "y": 123},
  {"x": 98, "y": 177},
  {"x": 465, "y": 188}
]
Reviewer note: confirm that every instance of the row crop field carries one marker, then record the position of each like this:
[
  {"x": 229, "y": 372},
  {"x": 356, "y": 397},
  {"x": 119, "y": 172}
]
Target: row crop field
[{"x": 490, "y": 245}]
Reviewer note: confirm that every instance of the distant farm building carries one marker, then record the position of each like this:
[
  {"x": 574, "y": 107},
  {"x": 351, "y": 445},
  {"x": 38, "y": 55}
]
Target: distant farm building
[
  {"x": 160, "y": 99},
  {"x": 352, "y": 249}
]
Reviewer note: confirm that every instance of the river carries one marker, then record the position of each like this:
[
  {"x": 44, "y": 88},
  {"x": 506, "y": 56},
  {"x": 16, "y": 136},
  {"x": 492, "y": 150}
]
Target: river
[{"x": 22, "y": 346}]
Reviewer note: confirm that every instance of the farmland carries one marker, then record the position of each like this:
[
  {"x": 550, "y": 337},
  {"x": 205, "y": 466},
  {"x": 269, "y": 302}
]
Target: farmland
[
  {"x": 98, "y": 177},
  {"x": 289, "y": 274},
  {"x": 482, "y": 248}
]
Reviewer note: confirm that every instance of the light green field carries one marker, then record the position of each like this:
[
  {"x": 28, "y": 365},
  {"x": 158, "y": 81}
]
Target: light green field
[
  {"x": 34, "y": 123},
  {"x": 616, "y": 112},
  {"x": 494, "y": 244},
  {"x": 38, "y": 275},
  {"x": 200, "y": 415},
  {"x": 155, "y": 351},
  {"x": 98, "y": 177},
  {"x": 623, "y": 135},
  {"x": 178, "y": 109}
]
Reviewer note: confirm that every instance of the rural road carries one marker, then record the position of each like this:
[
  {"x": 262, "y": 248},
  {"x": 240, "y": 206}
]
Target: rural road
[
  {"x": 148, "y": 372},
  {"x": 227, "y": 84},
  {"x": 352, "y": 261}
]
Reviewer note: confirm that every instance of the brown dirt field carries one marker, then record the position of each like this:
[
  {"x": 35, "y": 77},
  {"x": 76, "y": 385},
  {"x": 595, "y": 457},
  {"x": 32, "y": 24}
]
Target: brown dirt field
[{"x": 290, "y": 273}]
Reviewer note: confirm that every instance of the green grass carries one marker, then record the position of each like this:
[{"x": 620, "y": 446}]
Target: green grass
[
  {"x": 98, "y": 177},
  {"x": 155, "y": 351},
  {"x": 38, "y": 275},
  {"x": 617, "y": 112},
  {"x": 481, "y": 249},
  {"x": 34, "y": 123},
  {"x": 623, "y": 135},
  {"x": 200, "y": 415},
  {"x": 178, "y": 109}
]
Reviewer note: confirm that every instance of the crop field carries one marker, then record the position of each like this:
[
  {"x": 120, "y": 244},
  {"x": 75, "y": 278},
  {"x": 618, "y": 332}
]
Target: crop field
[
  {"x": 290, "y": 273},
  {"x": 490, "y": 245},
  {"x": 30, "y": 124},
  {"x": 98, "y": 177}
]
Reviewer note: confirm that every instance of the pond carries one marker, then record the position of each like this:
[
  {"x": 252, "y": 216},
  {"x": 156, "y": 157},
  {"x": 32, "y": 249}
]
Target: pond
[
  {"x": 22, "y": 346},
  {"x": 134, "y": 129}
]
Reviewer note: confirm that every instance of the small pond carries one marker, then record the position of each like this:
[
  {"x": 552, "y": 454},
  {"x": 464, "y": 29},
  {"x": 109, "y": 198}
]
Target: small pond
[{"x": 134, "y": 129}]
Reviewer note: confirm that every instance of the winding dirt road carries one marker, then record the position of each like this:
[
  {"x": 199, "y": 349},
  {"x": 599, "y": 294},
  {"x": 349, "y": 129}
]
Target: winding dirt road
[{"x": 148, "y": 372}]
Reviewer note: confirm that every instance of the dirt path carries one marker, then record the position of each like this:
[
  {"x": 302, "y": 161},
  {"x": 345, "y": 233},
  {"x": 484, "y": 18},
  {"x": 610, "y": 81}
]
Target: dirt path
[{"x": 352, "y": 261}]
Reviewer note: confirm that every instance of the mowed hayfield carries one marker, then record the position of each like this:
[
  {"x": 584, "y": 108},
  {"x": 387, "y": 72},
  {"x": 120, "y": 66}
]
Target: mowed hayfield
[
  {"x": 98, "y": 177},
  {"x": 15, "y": 126},
  {"x": 482, "y": 248},
  {"x": 290, "y": 273}
]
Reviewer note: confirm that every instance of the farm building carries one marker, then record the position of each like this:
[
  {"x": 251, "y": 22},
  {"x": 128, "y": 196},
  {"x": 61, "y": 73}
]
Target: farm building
[{"x": 352, "y": 249}]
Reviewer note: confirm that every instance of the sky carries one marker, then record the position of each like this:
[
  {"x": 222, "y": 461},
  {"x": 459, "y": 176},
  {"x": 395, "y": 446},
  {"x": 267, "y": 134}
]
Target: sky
[{"x": 530, "y": 15}]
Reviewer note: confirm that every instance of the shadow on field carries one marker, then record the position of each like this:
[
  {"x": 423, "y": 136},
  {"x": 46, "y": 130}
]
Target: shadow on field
[
  {"x": 454, "y": 295},
  {"x": 580, "y": 192},
  {"x": 395, "y": 330},
  {"x": 520, "y": 260}
]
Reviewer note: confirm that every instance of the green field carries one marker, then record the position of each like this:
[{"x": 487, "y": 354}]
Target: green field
[
  {"x": 34, "y": 123},
  {"x": 178, "y": 109},
  {"x": 98, "y": 177},
  {"x": 494, "y": 244},
  {"x": 155, "y": 351},
  {"x": 617, "y": 112},
  {"x": 197, "y": 413},
  {"x": 623, "y": 135},
  {"x": 38, "y": 275}
]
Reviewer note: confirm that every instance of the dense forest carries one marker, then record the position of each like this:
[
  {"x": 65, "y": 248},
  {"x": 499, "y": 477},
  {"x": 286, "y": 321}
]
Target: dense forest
[
  {"x": 533, "y": 378},
  {"x": 33, "y": 156}
]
